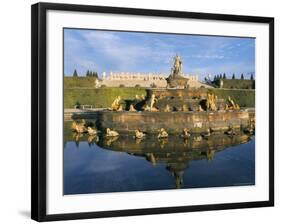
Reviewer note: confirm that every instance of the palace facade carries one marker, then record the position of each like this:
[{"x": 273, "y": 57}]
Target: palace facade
[{"x": 126, "y": 79}]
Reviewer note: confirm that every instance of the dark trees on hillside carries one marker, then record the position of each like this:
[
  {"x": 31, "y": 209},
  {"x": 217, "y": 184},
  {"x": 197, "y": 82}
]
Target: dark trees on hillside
[
  {"x": 91, "y": 74},
  {"x": 75, "y": 74}
]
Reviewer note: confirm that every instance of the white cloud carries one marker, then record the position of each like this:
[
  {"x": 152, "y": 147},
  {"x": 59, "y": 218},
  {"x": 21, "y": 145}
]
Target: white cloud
[
  {"x": 126, "y": 54},
  {"x": 208, "y": 56}
]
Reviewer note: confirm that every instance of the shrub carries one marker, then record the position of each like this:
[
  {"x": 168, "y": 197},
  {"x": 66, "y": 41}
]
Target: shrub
[{"x": 77, "y": 105}]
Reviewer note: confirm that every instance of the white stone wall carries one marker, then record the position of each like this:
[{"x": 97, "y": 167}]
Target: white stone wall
[{"x": 114, "y": 79}]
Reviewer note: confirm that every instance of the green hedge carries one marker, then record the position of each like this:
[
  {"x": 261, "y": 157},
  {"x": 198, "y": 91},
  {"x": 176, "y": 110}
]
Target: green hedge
[
  {"x": 74, "y": 82},
  {"x": 237, "y": 83},
  {"x": 82, "y": 90},
  {"x": 245, "y": 98},
  {"x": 102, "y": 97}
]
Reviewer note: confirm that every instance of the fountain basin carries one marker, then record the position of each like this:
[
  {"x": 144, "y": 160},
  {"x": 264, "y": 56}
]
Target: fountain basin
[{"x": 173, "y": 122}]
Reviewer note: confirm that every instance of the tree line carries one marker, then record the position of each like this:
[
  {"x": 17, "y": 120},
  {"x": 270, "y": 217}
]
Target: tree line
[
  {"x": 223, "y": 76},
  {"x": 89, "y": 73}
]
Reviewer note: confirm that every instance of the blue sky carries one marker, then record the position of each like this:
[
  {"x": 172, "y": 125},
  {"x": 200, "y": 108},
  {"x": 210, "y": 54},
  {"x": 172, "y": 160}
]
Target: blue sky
[{"x": 105, "y": 51}]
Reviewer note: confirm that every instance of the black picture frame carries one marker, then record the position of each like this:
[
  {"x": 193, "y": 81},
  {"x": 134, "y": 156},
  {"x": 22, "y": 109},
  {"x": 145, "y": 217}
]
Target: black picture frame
[{"x": 38, "y": 110}]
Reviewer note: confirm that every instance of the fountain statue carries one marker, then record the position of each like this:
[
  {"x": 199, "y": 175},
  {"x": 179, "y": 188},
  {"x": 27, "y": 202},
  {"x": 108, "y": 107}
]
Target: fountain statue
[
  {"x": 176, "y": 78},
  {"x": 116, "y": 104},
  {"x": 177, "y": 68},
  {"x": 211, "y": 102},
  {"x": 232, "y": 105},
  {"x": 174, "y": 109},
  {"x": 132, "y": 109},
  {"x": 167, "y": 108}
]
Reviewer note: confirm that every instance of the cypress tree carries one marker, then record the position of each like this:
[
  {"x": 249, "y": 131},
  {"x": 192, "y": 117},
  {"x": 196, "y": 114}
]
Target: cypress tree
[
  {"x": 224, "y": 76},
  {"x": 95, "y": 74},
  {"x": 233, "y": 76},
  {"x": 75, "y": 73},
  {"x": 214, "y": 78},
  {"x": 242, "y": 76},
  {"x": 252, "y": 76}
]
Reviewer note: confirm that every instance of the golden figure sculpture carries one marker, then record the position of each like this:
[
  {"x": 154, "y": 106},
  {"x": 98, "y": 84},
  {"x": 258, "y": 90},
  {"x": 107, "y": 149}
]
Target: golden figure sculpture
[
  {"x": 226, "y": 107},
  {"x": 151, "y": 106},
  {"x": 185, "y": 133},
  {"x": 232, "y": 105},
  {"x": 152, "y": 101},
  {"x": 146, "y": 108},
  {"x": 200, "y": 108},
  {"x": 120, "y": 108},
  {"x": 79, "y": 127},
  {"x": 92, "y": 131},
  {"x": 141, "y": 97},
  {"x": 139, "y": 134},
  {"x": 184, "y": 108},
  {"x": 211, "y": 102},
  {"x": 111, "y": 133},
  {"x": 167, "y": 108},
  {"x": 154, "y": 109},
  {"x": 163, "y": 133},
  {"x": 116, "y": 104},
  {"x": 132, "y": 109}
]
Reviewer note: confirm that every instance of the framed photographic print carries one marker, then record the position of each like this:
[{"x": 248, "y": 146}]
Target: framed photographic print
[{"x": 139, "y": 111}]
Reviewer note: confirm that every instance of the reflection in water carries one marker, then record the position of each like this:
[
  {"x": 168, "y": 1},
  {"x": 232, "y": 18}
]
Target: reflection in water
[
  {"x": 110, "y": 140},
  {"x": 119, "y": 163},
  {"x": 92, "y": 139}
]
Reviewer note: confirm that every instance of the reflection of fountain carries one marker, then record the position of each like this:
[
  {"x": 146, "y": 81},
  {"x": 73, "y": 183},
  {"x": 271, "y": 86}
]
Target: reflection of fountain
[
  {"x": 138, "y": 140},
  {"x": 92, "y": 139},
  {"x": 178, "y": 175},
  {"x": 110, "y": 140},
  {"x": 163, "y": 142},
  {"x": 176, "y": 152},
  {"x": 76, "y": 137}
]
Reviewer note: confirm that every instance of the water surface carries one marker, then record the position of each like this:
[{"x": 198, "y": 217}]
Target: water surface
[{"x": 124, "y": 164}]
